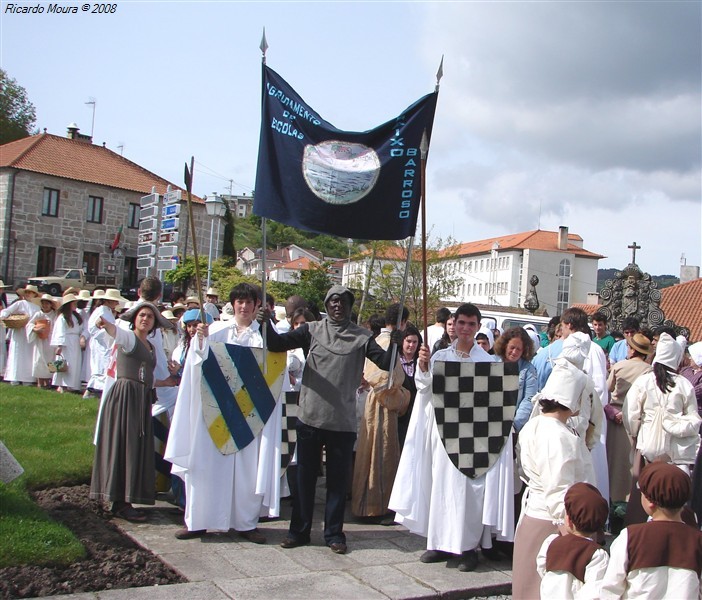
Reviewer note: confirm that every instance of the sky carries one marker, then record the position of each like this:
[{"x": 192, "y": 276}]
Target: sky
[{"x": 583, "y": 114}]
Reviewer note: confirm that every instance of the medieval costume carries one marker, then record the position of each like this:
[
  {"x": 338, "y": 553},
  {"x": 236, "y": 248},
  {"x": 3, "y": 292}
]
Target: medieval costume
[
  {"x": 432, "y": 498},
  {"x": 223, "y": 491},
  {"x": 378, "y": 448},
  {"x": 18, "y": 368}
]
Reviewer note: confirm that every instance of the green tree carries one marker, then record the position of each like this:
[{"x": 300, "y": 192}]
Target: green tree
[
  {"x": 17, "y": 113},
  {"x": 389, "y": 261},
  {"x": 314, "y": 283}
]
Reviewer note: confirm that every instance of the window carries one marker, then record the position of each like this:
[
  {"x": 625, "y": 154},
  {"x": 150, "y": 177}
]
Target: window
[
  {"x": 46, "y": 260},
  {"x": 133, "y": 220},
  {"x": 563, "y": 286},
  {"x": 95, "y": 209},
  {"x": 50, "y": 205}
]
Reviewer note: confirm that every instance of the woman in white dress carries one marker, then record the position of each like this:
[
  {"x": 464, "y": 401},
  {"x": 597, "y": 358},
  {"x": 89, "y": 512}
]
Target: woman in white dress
[
  {"x": 3, "y": 331},
  {"x": 66, "y": 339},
  {"x": 38, "y": 331},
  {"x": 18, "y": 369},
  {"x": 553, "y": 458}
]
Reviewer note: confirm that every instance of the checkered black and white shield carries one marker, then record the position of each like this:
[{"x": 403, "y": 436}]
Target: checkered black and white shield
[
  {"x": 474, "y": 405},
  {"x": 289, "y": 433}
]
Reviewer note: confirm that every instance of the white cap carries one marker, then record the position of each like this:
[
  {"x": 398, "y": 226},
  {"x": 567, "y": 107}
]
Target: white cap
[
  {"x": 668, "y": 352},
  {"x": 576, "y": 348}
]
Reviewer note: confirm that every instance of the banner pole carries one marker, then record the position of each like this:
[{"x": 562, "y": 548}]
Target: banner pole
[
  {"x": 189, "y": 189},
  {"x": 424, "y": 148},
  {"x": 403, "y": 294}
]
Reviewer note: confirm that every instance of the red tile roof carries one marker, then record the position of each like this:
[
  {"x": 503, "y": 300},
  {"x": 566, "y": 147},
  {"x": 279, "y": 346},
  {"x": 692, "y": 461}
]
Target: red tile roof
[
  {"x": 81, "y": 161},
  {"x": 531, "y": 240},
  {"x": 589, "y": 309},
  {"x": 682, "y": 304},
  {"x": 303, "y": 263}
]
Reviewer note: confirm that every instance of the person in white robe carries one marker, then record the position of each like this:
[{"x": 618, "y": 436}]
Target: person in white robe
[
  {"x": 101, "y": 344},
  {"x": 430, "y": 496},
  {"x": 38, "y": 331},
  {"x": 553, "y": 457},
  {"x": 18, "y": 369},
  {"x": 3, "y": 330},
  {"x": 65, "y": 338},
  {"x": 224, "y": 491}
]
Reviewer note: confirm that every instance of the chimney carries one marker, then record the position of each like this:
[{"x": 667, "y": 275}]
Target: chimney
[
  {"x": 73, "y": 134},
  {"x": 562, "y": 238}
]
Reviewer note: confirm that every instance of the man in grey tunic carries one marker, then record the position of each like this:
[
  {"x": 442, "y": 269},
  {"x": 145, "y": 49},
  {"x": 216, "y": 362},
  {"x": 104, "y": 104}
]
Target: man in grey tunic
[{"x": 336, "y": 350}]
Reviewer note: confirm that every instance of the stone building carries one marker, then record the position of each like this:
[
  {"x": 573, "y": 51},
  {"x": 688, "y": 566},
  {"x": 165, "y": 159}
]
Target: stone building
[{"x": 63, "y": 201}]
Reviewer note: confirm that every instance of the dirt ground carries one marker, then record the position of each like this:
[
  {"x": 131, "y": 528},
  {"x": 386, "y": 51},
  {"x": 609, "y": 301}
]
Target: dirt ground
[{"x": 113, "y": 560}]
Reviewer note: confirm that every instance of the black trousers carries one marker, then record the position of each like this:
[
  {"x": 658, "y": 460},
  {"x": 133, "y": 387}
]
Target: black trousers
[{"x": 339, "y": 452}]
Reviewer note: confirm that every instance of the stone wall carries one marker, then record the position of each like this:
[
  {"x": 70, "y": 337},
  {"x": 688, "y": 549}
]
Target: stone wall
[{"x": 70, "y": 232}]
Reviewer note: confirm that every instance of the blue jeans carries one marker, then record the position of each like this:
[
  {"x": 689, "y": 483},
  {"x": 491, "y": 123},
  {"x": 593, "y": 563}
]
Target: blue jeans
[{"x": 339, "y": 447}]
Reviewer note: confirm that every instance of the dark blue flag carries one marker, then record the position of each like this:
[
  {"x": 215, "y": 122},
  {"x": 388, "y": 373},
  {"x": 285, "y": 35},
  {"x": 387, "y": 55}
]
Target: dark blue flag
[{"x": 313, "y": 176}]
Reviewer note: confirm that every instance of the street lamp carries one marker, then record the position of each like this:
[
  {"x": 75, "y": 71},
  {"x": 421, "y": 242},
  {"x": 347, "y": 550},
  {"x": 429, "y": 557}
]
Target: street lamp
[
  {"x": 215, "y": 209},
  {"x": 349, "y": 244}
]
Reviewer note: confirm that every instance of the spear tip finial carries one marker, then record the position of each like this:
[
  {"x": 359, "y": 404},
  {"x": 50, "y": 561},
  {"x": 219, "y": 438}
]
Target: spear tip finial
[
  {"x": 439, "y": 73},
  {"x": 263, "y": 46}
]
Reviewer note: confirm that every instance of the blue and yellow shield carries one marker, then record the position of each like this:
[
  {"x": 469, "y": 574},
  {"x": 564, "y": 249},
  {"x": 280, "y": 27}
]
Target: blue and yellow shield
[{"x": 237, "y": 398}]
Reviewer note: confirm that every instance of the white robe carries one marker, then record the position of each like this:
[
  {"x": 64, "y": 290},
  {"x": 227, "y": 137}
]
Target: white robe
[
  {"x": 19, "y": 356},
  {"x": 596, "y": 367},
  {"x": 43, "y": 350},
  {"x": 68, "y": 337},
  {"x": 86, "y": 366},
  {"x": 100, "y": 348},
  {"x": 563, "y": 585},
  {"x": 222, "y": 491},
  {"x": 432, "y": 498}
]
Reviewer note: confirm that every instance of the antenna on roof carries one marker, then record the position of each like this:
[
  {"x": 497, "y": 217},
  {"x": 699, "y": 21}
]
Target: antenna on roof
[
  {"x": 539, "y": 224},
  {"x": 120, "y": 147},
  {"x": 93, "y": 102}
]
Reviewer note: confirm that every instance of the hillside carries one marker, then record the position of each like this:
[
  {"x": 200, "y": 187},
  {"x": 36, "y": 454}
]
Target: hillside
[{"x": 663, "y": 281}]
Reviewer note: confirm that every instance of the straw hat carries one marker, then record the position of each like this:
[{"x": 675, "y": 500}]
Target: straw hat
[
  {"x": 161, "y": 321},
  {"x": 21, "y": 292},
  {"x": 71, "y": 290},
  {"x": 192, "y": 300},
  {"x": 2, "y": 284},
  {"x": 113, "y": 294},
  {"x": 98, "y": 295},
  {"x": 639, "y": 342},
  {"x": 67, "y": 299},
  {"x": 211, "y": 292},
  {"x": 85, "y": 295},
  {"x": 169, "y": 315},
  {"x": 50, "y": 298}
]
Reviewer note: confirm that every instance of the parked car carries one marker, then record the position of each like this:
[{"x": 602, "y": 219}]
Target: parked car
[{"x": 61, "y": 279}]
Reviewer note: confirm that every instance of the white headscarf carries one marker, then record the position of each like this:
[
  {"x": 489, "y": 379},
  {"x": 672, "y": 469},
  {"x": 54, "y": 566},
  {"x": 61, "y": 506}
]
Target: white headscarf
[
  {"x": 565, "y": 385},
  {"x": 488, "y": 333},
  {"x": 696, "y": 353},
  {"x": 668, "y": 352},
  {"x": 576, "y": 348}
]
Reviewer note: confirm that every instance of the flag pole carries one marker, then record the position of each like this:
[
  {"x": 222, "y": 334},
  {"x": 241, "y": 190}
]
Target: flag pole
[
  {"x": 403, "y": 294},
  {"x": 189, "y": 189},
  {"x": 424, "y": 148},
  {"x": 264, "y": 47}
]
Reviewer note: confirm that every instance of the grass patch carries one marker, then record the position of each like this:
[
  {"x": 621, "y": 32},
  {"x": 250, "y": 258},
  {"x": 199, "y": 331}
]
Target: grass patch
[
  {"x": 51, "y": 437},
  {"x": 28, "y": 536},
  {"x": 50, "y": 434}
]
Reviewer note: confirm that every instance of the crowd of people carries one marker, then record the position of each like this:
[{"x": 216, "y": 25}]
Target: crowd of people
[{"x": 603, "y": 432}]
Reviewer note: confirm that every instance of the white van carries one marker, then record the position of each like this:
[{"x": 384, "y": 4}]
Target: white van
[{"x": 506, "y": 317}]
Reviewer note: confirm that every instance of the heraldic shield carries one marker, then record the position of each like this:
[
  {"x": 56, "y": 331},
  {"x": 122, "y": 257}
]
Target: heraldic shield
[
  {"x": 474, "y": 406},
  {"x": 237, "y": 398}
]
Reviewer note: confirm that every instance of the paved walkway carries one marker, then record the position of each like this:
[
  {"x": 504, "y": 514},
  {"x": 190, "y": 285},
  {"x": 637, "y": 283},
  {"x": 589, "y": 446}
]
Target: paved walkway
[{"x": 382, "y": 562}]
